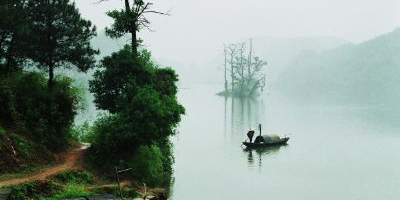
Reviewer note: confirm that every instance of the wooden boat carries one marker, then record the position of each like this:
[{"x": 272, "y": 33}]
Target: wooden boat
[
  {"x": 265, "y": 140},
  {"x": 282, "y": 141}
]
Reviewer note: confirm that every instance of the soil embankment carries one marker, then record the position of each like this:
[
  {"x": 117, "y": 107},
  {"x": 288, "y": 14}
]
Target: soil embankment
[{"x": 70, "y": 160}]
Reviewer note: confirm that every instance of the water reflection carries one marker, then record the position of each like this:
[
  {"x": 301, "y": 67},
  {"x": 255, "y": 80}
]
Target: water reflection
[
  {"x": 243, "y": 113},
  {"x": 255, "y": 155},
  {"x": 240, "y": 114},
  {"x": 321, "y": 154}
]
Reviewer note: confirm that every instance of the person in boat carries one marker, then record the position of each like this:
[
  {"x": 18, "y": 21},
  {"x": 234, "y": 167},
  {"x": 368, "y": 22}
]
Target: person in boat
[{"x": 250, "y": 134}]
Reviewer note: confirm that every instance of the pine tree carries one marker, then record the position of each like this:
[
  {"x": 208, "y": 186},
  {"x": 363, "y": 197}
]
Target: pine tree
[{"x": 59, "y": 36}]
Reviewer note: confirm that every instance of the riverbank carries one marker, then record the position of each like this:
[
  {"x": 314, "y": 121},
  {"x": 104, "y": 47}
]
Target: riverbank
[{"x": 70, "y": 178}]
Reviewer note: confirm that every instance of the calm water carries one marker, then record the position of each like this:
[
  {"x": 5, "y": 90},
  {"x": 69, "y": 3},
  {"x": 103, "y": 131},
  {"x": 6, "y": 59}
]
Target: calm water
[{"x": 335, "y": 152}]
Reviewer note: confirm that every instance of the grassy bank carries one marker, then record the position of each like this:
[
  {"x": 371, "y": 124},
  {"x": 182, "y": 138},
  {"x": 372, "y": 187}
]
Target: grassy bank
[{"x": 68, "y": 184}]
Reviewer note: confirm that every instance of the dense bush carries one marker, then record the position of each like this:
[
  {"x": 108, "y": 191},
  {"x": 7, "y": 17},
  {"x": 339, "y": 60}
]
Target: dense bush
[
  {"x": 121, "y": 69},
  {"x": 7, "y": 102},
  {"x": 148, "y": 165},
  {"x": 34, "y": 190},
  {"x": 47, "y": 115}
]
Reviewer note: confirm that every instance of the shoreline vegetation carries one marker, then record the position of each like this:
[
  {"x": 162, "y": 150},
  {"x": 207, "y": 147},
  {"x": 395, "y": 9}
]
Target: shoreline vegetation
[{"x": 39, "y": 107}]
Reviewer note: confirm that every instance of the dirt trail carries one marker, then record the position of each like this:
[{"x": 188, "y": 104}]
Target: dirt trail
[{"x": 70, "y": 161}]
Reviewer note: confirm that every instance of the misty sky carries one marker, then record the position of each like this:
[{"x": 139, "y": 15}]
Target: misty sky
[{"x": 200, "y": 27}]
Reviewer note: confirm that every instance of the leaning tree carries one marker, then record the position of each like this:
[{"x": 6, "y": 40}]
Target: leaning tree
[{"x": 59, "y": 36}]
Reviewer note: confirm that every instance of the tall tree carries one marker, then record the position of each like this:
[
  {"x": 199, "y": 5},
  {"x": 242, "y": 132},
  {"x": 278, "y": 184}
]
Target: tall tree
[
  {"x": 60, "y": 37},
  {"x": 131, "y": 20},
  {"x": 13, "y": 34}
]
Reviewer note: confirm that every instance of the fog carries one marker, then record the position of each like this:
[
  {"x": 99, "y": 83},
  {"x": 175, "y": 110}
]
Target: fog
[
  {"x": 196, "y": 30},
  {"x": 331, "y": 82}
]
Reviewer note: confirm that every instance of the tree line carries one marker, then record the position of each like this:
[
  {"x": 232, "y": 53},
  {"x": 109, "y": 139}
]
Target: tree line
[{"x": 138, "y": 95}]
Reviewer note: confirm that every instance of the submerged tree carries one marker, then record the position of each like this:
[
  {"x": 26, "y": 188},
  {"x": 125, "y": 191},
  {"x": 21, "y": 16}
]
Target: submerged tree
[
  {"x": 59, "y": 36},
  {"x": 131, "y": 20},
  {"x": 246, "y": 71}
]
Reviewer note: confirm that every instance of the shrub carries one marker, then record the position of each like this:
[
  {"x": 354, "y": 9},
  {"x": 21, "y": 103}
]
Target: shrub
[
  {"x": 111, "y": 141},
  {"x": 47, "y": 190},
  {"x": 47, "y": 114},
  {"x": 74, "y": 176},
  {"x": 147, "y": 165},
  {"x": 34, "y": 190},
  {"x": 71, "y": 190}
]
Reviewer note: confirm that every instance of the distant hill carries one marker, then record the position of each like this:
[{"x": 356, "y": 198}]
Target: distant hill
[
  {"x": 366, "y": 73},
  {"x": 279, "y": 51},
  {"x": 276, "y": 51}
]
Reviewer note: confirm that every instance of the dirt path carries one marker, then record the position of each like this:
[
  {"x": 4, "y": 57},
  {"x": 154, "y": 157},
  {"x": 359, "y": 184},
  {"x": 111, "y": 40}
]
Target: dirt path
[{"x": 70, "y": 161}]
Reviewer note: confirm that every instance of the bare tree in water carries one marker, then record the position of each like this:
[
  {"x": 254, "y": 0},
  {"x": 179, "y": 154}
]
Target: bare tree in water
[{"x": 245, "y": 69}]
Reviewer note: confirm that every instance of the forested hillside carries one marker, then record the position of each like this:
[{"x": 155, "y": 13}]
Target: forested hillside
[{"x": 366, "y": 73}]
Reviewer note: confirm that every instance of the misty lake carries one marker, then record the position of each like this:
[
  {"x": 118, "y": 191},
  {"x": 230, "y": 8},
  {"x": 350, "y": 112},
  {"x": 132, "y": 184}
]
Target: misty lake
[{"x": 335, "y": 152}]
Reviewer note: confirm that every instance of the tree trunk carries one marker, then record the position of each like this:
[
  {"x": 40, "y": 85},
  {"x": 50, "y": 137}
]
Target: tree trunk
[
  {"x": 133, "y": 26},
  {"x": 9, "y": 56},
  {"x": 50, "y": 82},
  {"x": 242, "y": 78},
  {"x": 134, "y": 41},
  {"x": 249, "y": 62},
  {"x": 232, "y": 77},
  {"x": 127, "y": 7},
  {"x": 226, "y": 81}
]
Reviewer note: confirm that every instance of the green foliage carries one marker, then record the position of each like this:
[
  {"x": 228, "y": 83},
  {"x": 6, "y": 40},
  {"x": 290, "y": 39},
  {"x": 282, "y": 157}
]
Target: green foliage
[
  {"x": 13, "y": 31},
  {"x": 147, "y": 165},
  {"x": 7, "y": 102},
  {"x": 33, "y": 190},
  {"x": 47, "y": 190},
  {"x": 60, "y": 37},
  {"x": 144, "y": 112},
  {"x": 23, "y": 146},
  {"x": 82, "y": 133},
  {"x": 110, "y": 133},
  {"x": 2, "y": 132},
  {"x": 122, "y": 23},
  {"x": 20, "y": 154},
  {"x": 141, "y": 100},
  {"x": 66, "y": 184},
  {"x": 131, "y": 20},
  {"x": 120, "y": 69},
  {"x": 48, "y": 115},
  {"x": 127, "y": 191},
  {"x": 71, "y": 190},
  {"x": 74, "y": 176}
]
